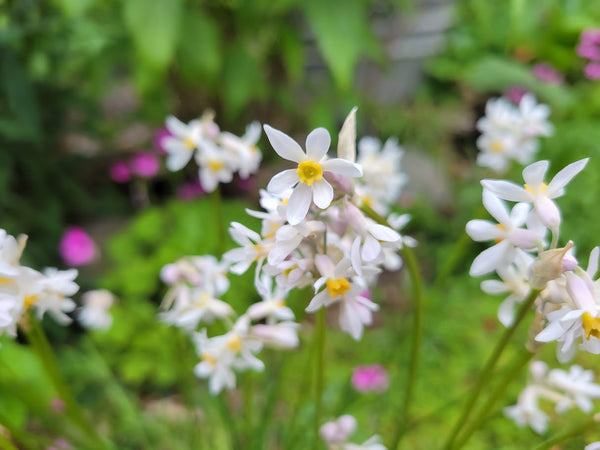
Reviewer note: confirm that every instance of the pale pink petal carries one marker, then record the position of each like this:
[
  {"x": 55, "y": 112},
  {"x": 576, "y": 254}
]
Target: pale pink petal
[
  {"x": 284, "y": 145},
  {"x": 298, "y": 204},
  {"x": 283, "y": 181},
  {"x": 325, "y": 266},
  {"x": 343, "y": 167},
  {"x": 322, "y": 194},
  {"x": 317, "y": 144},
  {"x": 548, "y": 212}
]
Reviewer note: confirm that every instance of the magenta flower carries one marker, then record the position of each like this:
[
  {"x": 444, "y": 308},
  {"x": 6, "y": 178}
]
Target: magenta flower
[
  {"x": 77, "y": 247},
  {"x": 190, "y": 191},
  {"x": 547, "y": 73},
  {"x": 144, "y": 164},
  {"x": 592, "y": 71},
  {"x": 119, "y": 172},
  {"x": 515, "y": 94},
  {"x": 370, "y": 378}
]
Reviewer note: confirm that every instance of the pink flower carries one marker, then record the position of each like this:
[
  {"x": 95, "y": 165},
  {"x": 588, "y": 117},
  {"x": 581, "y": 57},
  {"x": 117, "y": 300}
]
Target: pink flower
[
  {"x": 589, "y": 51},
  {"x": 190, "y": 191},
  {"x": 547, "y": 73},
  {"x": 119, "y": 172},
  {"x": 370, "y": 378},
  {"x": 592, "y": 71},
  {"x": 159, "y": 139},
  {"x": 144, "y": 164},
  {"x": 57, "y": 405},
  {"x": 591, "y": 36},
  {"x": 515, "y": 94},
  {"x": 76, "y": 247}
]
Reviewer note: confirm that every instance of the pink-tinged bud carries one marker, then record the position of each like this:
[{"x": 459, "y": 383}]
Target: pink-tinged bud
[
  {"x": 339, "y": 182},
  {"x": 119, "y": 172},
  {"x": 548, "y": 266},
  {"x": 144, "y": 165},
  {"x": 159, "y": 139},
  {"x": 76, "y": 247},
  {"x": 547, "y": 73},
  {"x": 366, "y": 294},
  {"x": 370, "y": 378},
  {"x": 569, "y": 263},
  {"x": 170, "y": 274},
  {"x": 592, "y": 71}
]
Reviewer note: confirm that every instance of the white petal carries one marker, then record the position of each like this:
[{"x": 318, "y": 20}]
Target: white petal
[
  {"x": 383, "y": 233},
  {"x": 347, "y": 138},
  {"x": 507, "y": 190},
  {"x": 488, "y": 260},
  {"x": 484, "y": 230},
  {"x": 370, "y": 249},
  {"x": 495, "y": 206},
  {"x": 325, "y": 266},
  {"x": 322, "y": 194},
  {"x": 343, "y": 167},
  {"x": 176, "y": 126},
  {"x": 284, "y": 145},
  {"x": 282, "y": 181},
  {"x": 562, "y": 178},
  {"x": 317, "y": 144},
  {"x": 493, "y": 287},
  {"x": 298, "y": 204},
  {"x": 533, "y": 174}
]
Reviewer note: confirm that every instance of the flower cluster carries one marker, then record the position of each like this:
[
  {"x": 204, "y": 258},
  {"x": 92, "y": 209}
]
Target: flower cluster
[
  {"x": 313, "y": 233},
  {"x": 589, "y": 48},
  {"x": 219, "y": 154},
  {"x": 510, "y": 132},
  {"x": 565, "y": 389},
  {"x": 337, "y": 432},
  {"x": 141, "y": 164}
]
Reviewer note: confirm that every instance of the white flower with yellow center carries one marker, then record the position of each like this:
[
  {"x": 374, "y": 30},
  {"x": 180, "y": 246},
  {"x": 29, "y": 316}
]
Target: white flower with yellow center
[
  {"x": 243, "y": 149},
  {"x": 308, "y": 179},
  {"x": 216, "y": 166},
  {"x": 536, "y": 191},
  {"x": 183, "y": 142}
]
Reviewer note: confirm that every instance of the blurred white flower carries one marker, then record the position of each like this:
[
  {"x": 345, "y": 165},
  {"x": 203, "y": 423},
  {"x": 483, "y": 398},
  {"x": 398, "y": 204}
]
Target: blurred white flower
[{"x": 93, "y": 313}]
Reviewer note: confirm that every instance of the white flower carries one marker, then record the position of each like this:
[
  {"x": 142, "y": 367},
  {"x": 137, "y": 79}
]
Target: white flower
[
  {"x": 216, "y": 166},
  {"x": 55, "y": 288},
  {"x": 527, "y": 411},
  {"x": 536, "y": 191},
  {"x": 94, "y": 312},
  {"x": 192, "y": 306},
  {"x": 308, "y": 178},
  {"x": 578, "y": 386},
  {"x": 254, "y": 249},
  {"x": 279, "y": 335},
  {"x": 183, "y": 142},
  {"x": 339, "y": 430},
  {"x": 507, "y": 234},
  {"x": 534, "y": 117},
  {"x": 246, "y": 155},
  {"x": 272, "y": 307}
]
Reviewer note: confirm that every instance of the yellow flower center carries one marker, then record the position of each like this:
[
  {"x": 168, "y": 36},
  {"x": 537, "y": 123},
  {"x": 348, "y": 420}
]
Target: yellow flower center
[
  {"x": 30, "y": 300},
  {"x": 591, "y": 325},
  {"x": 189, "y": 143},
  {"x": 281, "y": 303},
  {"x": 209, "y": 358},
  {"x": 503, "y": 228},
  {"x": 337, "y": 286},
  {"x": 215, "y": 165},
  {"x": 537, "y": 190},
  {"x": 5, "y": 280},
  {"x": 235, "y": 344},
  {"x": 309, "y": 172},
  {"x": 496, "y": 147}
]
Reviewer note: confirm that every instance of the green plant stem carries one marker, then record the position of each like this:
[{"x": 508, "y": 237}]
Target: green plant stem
[
  {"x": 248, "y": 410},
  {"x": 489, "y": 367},
  {"x": 484, "y": 412},
  {"x": 218, "y": 205},
  {"x": 417, "y": 336},
  {"x": 417, "y": 332},
  {"x": 319, "y": 373},
  {"x": 42, "y": 347},
  {"x": 569, "y": 433}
]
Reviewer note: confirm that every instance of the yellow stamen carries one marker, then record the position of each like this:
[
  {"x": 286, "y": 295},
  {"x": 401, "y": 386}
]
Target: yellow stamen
[
  {"x": 309, "y": 172},
  {"x": 281, "y": 303},
  {"x": 337, "y": 286},
  {"x": 539, "y": 190},
  {"x": 496, "y": 147},
  {"x": 503, "y": 228},
  {"x": 5, "y": 280},
  {"x": 189, "y": 143},
  {"x": 285, "y": 201},
  {"x": 235, "y": 344},
  {"x": 215, "y": 165},
  {"x": 30, "y": 300},
  {"x": 209, "y": 358},
  {"x": 591, "y": 325}
]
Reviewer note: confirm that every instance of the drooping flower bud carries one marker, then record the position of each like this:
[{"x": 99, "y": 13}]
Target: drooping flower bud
[{"x": 548, "y": 266}]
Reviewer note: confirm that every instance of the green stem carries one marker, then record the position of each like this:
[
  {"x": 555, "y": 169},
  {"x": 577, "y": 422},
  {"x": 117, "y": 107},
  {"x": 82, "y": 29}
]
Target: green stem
[
  {"x": 248, "y": 409},
  {"x": 218, "y": 204},
  {"x": 42, "y": 347},
  {"x": 484, "y": 377},
  {"x": 488, "y": 407},
  {"x": 575, "y": 431},
  {"x": 417, "y": 335},
  {"x": 320, "y": 374}
]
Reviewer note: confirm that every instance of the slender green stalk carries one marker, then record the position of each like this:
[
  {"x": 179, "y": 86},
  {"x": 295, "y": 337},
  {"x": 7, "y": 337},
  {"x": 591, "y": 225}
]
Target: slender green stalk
[
  {"x": 485, "y": 411},
  {"x": 489, "y": 367},
  {"x": 42, "y": 347},
  {"x": 319, "y": 373},
  {"x": 248, "y": 409},
  {"x": 569, "y": 433},
  {"x": 218, "y": 205},
  {"x": 417, "y": 335}
]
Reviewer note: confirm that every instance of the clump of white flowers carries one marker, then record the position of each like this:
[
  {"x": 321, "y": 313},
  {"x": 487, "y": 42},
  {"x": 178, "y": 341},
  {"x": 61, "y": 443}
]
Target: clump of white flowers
[
  {"x": 337, "y": 432},
  {"x": 23, "y": 288},
  {"x": 313, "y": 233},
  {"x": 218, "y": 154},
  {"x": 510, "y": 132}
]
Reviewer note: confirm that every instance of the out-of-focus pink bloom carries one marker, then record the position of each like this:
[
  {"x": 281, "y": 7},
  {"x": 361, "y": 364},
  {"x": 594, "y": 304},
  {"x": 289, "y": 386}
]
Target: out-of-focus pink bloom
[
  {"x": 159, "y": 138},
  {"x": 591, "y": 36},
  {"x": 246, "y": 184},
  {"x": 57, "y": 405},
  {"x": 76, "y": 247},
  {"x": 592, "y": 71},
  {"x": 144, "y": 164},
  {"x": 119, "y": 172},
  {"x": 547, "y": 73},
  {"x": 589, "y": 51},
  {"x": 370, "y": 378},
  {"x": 190, "y": 191},
  {"x": 515, "y": 93},
  {"x": 60, "y": 444}
]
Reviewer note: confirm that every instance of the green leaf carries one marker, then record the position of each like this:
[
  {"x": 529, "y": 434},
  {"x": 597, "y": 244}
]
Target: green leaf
[
  {"x": 342, "y": 32},
  {"x": 292, "y": 53},
  {"x": 154, "y": 27},
  {"x": 242, "y": 80},
  {"x": 199, "y": 55}
]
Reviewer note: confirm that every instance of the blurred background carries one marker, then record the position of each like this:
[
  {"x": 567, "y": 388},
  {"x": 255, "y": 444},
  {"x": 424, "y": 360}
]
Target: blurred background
[{"x": 85, "y": 86}]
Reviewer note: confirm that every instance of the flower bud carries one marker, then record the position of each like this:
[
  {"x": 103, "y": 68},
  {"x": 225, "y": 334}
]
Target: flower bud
[{"x": 548, "y": 266}]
